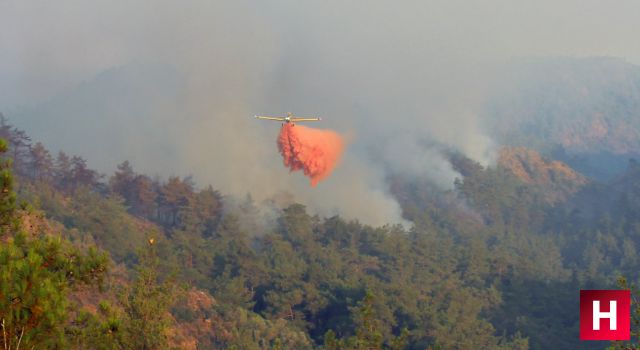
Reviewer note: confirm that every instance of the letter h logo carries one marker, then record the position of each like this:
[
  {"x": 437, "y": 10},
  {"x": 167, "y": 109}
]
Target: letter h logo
[{"x": 605, "y": 314}]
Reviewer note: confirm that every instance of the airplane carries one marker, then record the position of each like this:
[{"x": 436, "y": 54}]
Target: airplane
[{"x": 290, "y": 118}]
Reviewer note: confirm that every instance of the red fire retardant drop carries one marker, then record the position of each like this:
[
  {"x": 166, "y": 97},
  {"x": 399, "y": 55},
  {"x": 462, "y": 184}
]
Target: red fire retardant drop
[{"x": 314, "y": 151}]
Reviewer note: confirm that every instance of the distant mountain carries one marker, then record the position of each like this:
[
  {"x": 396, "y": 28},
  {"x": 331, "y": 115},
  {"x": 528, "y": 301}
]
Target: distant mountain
[
  {"x": 582, "y": 111},
  {"x": 92, "y": 113}
]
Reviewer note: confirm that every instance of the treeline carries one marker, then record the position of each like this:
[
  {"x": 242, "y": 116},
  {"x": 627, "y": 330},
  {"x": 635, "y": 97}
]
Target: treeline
[{"x": 169, "y": 203}]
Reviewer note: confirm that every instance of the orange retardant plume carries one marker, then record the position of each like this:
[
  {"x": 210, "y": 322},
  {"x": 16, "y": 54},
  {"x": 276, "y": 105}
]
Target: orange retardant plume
[{"x": 314, "y": 151}]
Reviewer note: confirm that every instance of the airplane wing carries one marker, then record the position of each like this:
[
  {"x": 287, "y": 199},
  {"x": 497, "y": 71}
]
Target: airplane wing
[
  {"x": 306, "y": 119},
  {"x": 281, "y": 119}
]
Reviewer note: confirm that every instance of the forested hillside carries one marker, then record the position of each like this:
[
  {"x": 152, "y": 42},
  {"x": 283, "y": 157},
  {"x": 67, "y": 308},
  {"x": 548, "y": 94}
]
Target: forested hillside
[
  {"x": 583, "y": 111},
  {"x": 132, "y": 261}
]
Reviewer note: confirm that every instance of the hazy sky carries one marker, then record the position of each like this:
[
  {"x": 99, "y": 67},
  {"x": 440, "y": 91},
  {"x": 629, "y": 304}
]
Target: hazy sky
[{"x": 171, "y": 85}]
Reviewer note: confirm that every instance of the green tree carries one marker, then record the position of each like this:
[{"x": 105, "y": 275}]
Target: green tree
[
  {"x": 82, "y": 175},
  {"x": 147, "y": 303},
  {"x": 33, "y": 304},
  {"x": 41, "y": 164},
  {"x": 122, "y": 180},
  {"x": 143, "y": 200},
  {"x": 634, "y": 342},
  {"x": 35, "y": 276},
  {"x": 369, "y": 333},
  {"x": 174, "y": 201},
  {"x": 8, "y": 220},
  {"x": 103, "y": 330},
  {"x": 62, "y": 172}
]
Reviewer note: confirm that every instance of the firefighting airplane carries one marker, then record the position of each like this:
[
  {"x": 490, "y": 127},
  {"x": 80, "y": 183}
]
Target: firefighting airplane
[{"x": 290, "y": 118}]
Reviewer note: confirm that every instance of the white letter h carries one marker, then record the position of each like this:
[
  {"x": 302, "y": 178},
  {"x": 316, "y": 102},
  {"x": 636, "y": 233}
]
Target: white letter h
[{"x": 598, "y": 315}]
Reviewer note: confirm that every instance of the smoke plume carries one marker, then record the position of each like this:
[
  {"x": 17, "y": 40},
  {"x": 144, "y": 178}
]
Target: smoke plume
[
  {"x": 174, "y": 85},
  {"x": 315, "y": 152}
]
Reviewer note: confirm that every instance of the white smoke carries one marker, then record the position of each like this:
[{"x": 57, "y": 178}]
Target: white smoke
[{"x": 171, "y": 86}]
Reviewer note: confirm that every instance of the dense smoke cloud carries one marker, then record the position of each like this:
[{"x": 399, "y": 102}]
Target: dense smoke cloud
[{"x": 172, "y": 86}]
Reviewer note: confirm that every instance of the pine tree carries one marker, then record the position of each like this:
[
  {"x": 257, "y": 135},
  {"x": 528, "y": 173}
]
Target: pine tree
[
  {"x": 81, "y": 174},
  {"x": 175, "y": 196},
  {"x": 122, "y": 180},
  {"x": 147, "y": 304},
  {"x": 35, "y": 274},
  {"x": 41, "y": 164},
  {"x": 369, "y": 331},
  {"x": 62, "y": 172},
  {"x": 8, "y": 220},
  {"x": 33, "y": 303}
]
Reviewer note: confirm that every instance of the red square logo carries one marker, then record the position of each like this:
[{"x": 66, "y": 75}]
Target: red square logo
[{"x": 605, "y": 314}]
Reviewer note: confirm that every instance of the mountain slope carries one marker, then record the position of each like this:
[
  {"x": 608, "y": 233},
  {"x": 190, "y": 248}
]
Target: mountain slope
[
  {"x": 584, "y": 105},
  {"x": 555, "y": 179}
]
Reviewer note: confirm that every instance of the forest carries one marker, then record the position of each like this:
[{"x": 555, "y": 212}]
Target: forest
[{"x": 134, "y": 261}]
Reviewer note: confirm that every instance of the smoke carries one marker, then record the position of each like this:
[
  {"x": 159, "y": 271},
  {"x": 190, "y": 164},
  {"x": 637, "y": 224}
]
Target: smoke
[
  {"x": 316, "y": 152},
  {"x": 171, "y": 86}
]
